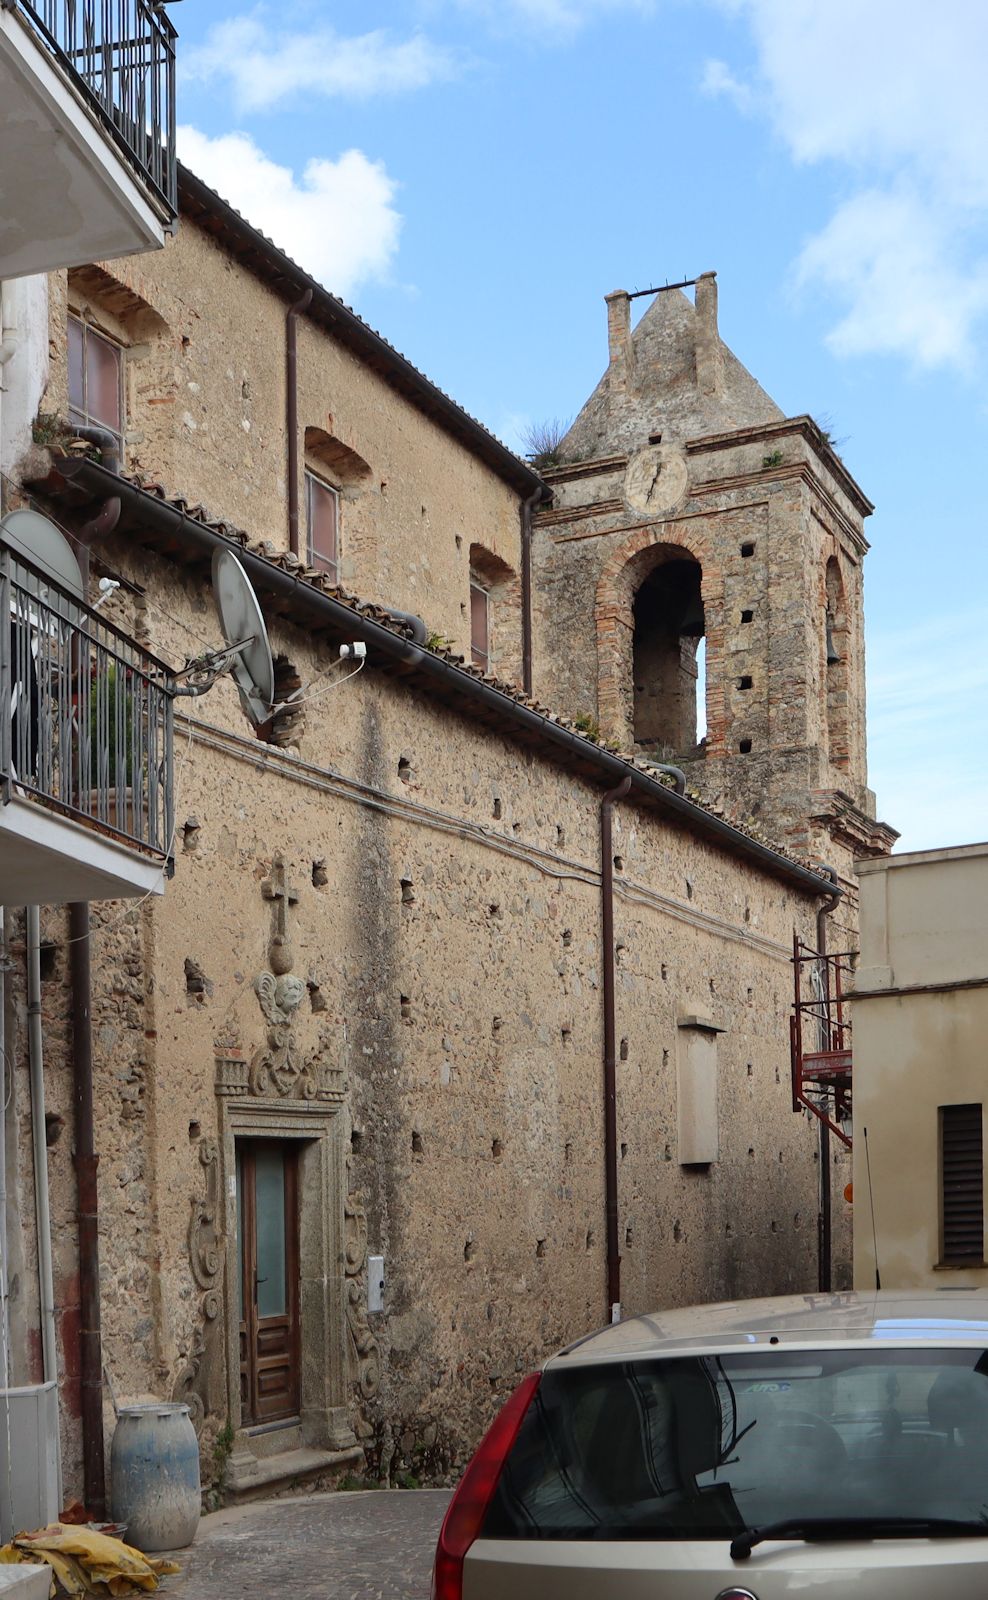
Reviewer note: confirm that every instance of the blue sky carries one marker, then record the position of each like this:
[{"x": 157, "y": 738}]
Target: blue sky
[{"x": 474, "y": 175}]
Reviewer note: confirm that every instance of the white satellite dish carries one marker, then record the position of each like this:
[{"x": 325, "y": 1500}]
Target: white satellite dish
[
  {"x": 246, "y": 636},
  {"x": 32, "y": 538},
  {"x": 246, "y": 654}
]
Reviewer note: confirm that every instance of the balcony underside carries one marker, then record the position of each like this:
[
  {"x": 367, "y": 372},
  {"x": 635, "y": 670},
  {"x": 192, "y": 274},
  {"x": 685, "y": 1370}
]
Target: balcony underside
[
  {"x": 69, "y": 196},
  {"x": 47, "y": 859}
]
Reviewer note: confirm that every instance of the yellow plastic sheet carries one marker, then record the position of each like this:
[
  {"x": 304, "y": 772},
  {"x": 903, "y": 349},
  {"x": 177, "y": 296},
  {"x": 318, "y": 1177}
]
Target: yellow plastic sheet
[{"x": 87, "y": 1563}]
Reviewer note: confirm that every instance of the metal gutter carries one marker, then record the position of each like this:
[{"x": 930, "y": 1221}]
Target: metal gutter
[
  {"x": 291, "y": 404},
  {"x": 433, "y": 673}
]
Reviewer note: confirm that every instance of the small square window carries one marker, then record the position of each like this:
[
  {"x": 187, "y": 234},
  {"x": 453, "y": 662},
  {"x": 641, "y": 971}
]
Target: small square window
[
  {"x": 748, "y": 549},
  {"x": 480, "y": 626},
  {"x": 745, "y": 747},
  {"x": 744, "y": 682},
  {"x": 95, "y": 379},
  {"x": 747, "y": 616},
  {"x": 322, "y": 507}
]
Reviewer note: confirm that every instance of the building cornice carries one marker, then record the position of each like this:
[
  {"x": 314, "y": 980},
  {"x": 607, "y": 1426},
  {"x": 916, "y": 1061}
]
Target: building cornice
[{"x": 303, "y": 597}]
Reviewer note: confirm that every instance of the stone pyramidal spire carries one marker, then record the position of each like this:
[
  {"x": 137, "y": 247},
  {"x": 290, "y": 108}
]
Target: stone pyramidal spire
[{"x": 673, "y": 375}]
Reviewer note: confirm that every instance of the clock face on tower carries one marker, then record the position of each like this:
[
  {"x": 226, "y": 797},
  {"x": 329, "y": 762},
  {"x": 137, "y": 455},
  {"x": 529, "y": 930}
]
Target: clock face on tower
[{"x": 655, "y": 479}]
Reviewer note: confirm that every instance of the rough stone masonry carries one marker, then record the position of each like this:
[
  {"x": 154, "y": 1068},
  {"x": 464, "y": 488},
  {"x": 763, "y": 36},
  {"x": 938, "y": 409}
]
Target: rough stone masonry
[{"x": 376, "y": 973}]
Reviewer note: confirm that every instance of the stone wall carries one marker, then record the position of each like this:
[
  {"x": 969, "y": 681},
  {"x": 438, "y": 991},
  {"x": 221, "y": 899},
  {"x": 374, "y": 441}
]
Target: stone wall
[
  {"x": 382, "y": 939},
  {"x": 446, "y": 928},
  {"x": 204, "y": 343}
]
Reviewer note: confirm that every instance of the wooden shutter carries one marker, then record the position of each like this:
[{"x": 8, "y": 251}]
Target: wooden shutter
[
  {"x": 323, "y": 505},
  {"x": 479, "y": 626},
  {"x": 962, "y": 1200}
]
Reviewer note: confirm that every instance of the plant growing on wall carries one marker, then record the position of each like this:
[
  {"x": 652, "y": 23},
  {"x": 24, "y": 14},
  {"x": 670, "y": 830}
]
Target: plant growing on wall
[{"x": 541, "y": 443}]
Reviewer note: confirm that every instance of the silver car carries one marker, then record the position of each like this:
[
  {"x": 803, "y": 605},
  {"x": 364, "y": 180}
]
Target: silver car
[{"x": 823, "y": 1444}]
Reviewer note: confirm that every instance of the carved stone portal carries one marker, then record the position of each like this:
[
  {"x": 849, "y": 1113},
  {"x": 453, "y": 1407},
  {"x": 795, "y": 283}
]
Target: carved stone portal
[
  {"x": 200, "y": 1383},
  {"x": 365, "y": 1356}
]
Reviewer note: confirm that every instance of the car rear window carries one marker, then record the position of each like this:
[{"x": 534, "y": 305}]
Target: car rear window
[{"x": 702, "y": 1447}]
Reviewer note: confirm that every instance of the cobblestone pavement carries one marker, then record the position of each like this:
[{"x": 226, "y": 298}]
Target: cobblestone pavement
[{"x": 367, "y": 1545}]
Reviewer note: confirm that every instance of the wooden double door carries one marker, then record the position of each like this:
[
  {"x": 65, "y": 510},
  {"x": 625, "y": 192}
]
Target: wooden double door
[{"x": 268, "y": 1256}]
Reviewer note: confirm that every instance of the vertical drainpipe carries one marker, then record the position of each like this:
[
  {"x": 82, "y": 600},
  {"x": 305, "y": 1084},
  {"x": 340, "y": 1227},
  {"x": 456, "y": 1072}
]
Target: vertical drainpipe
[
  {"x": 85, "y": 1159},
  {"x": 86, "y": 1164},
  {"x": 610, "y": 1047},
  {"x": 527, "y": 507},
  {"x": 5, "y": 1487},
  {"x": 291, "y": 407},
  {"x": 825, "y": 1231},
  {"x": 40, "y": 1143}
]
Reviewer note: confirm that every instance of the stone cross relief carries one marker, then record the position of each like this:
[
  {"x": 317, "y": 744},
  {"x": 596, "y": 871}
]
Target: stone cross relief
[{"x": 279, "y": 1067}]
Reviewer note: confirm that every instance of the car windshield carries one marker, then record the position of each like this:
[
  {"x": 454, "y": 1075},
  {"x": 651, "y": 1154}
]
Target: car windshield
[{"x": 701, "y": 1447}]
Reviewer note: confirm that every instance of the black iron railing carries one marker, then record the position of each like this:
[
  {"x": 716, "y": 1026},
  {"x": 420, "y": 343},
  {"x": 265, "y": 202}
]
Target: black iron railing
[
  {"x": 85, "y": 714},
  {"x": 121, "y": 55}
]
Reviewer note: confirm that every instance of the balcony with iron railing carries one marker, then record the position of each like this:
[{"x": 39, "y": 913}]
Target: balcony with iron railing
[
  {"x": 100, "y": 75},
  {"x": 86, "y": 763}
]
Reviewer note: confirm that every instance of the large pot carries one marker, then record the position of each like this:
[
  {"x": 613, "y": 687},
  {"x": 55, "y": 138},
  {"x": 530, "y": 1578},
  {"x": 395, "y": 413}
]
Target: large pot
[{"x": 154, "y": 1476}]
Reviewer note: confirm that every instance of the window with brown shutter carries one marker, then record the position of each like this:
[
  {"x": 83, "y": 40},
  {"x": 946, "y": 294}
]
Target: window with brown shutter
[
  {"x": 480, "y": 631},
  {"x": 323, "y": 510},
  {"x": 95, "y": 378},
  {"x": 962, "y": 1199}
]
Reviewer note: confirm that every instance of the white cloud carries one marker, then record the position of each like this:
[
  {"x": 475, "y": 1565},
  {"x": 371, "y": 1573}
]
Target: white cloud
[
  {"x": 893, "y": 92},
  {"x": 926, "y": 693},
  {"x": 560, "y": 17},
  {"x": 337, "y": 220},
  {"x": 266, "y": 66},
  {"x": 718, "y": 79},
  {"x": 889, "y": 257}
]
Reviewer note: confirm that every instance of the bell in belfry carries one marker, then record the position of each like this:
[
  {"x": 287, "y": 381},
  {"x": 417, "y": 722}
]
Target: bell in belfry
[{"x": 692, "y": 625}]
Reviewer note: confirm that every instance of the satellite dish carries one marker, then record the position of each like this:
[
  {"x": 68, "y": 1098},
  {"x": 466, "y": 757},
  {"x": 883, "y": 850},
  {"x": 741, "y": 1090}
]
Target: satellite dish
[
  {"x": 34, "y": 539},
  {"x": 246, "y": 636}
]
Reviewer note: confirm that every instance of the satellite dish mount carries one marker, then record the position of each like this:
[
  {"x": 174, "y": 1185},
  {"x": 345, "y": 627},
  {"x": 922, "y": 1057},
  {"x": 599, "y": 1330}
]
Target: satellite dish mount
[{"x": 247, "y": 652}]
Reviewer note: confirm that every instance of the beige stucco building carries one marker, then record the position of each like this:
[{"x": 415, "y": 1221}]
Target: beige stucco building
[
  {"x": 365, "y": 1029},
  {"x": 920, "y": 1024}
]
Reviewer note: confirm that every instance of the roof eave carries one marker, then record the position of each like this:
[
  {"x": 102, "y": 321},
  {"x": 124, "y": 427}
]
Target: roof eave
[{"x": 292, "y": 281}]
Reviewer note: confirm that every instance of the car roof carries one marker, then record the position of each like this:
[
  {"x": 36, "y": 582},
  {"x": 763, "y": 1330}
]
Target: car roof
[{"x": 956, "y": 1316}]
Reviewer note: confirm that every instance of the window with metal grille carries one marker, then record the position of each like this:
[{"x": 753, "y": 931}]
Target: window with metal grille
[
  {"x": 95, "y": 378},
  {"x": 323, "y": 511},
  {"x": 962, "y": 1201}
]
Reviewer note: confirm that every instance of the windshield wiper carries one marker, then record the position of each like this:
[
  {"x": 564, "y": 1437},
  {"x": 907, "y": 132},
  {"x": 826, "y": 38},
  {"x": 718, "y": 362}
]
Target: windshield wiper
[{"x": 853, "y": 1528}]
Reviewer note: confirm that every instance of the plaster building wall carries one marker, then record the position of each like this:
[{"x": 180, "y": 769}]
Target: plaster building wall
[
  {"x": 920, "y": 1018},
  {"x": 446, "y": 932},
  {"x": 381, "y": 945},
  {"x": 205, "y": 401}
]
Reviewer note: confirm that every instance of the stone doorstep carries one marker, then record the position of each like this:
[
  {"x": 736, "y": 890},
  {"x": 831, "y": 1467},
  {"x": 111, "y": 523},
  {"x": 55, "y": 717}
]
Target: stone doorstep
[
  {"x": 25, "y": 1583},
  {"x": 256, "y": 1478}
]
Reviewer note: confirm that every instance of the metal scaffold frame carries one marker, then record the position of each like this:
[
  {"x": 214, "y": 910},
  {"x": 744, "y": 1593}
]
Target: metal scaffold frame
[{"x": 821, "y": 1076}]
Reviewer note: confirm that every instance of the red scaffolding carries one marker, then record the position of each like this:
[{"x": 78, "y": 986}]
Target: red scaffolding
[{"x": 820, "y": 1036}]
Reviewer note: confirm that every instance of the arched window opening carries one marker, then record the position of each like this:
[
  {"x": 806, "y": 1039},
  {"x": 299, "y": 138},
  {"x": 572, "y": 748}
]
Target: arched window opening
[
  {"x": 836, "y": 649},
  {"x": 495, "y": 614},
  {"x": 110, "y": 332},
  {"x": 667, "y": 660}
]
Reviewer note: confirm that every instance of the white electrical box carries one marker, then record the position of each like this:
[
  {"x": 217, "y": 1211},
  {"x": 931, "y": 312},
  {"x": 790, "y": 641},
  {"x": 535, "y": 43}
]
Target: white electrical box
[
  {"x": 29, "y": 1492},
  {"x": 375, "y": 1283}
]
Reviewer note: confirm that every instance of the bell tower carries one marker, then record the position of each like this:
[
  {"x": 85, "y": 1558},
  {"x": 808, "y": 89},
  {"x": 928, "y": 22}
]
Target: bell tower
[{"x": 698, "y": 584}]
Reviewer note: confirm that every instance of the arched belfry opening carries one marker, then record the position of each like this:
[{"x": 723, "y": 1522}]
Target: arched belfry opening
[{"x": 668, "y": 631}]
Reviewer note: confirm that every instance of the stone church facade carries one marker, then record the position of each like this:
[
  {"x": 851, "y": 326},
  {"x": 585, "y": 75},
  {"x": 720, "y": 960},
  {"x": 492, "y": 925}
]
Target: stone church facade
[{"x": 365, "y": 1020}]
